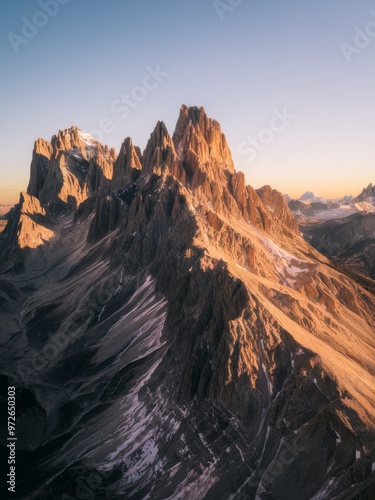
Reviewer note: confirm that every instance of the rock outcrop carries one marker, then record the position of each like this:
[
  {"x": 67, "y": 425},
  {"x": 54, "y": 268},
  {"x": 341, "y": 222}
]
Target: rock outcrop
[
  {"x": 69, "y": 170},
  {"x": 127, "y": 165},
  {"x": 276, "y": 202},
  {"x": 367, "y": 194},
  {"x": 39, "y": 166}
]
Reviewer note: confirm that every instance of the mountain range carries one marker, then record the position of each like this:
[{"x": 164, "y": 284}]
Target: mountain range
[
  {"x": 343, "y": 229},
  {"x": 310, "y": 206},
  {"x": 171, "y": 334}
]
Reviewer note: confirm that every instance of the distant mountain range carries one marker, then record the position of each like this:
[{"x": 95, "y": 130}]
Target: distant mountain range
[
  {"x": 343, "y": 230},
  {"x": 4, "y": 210},
  {"x": 312, "y": 206},
  {"x": 310, "y": 197},
  {"x": 348, "y": 241}
]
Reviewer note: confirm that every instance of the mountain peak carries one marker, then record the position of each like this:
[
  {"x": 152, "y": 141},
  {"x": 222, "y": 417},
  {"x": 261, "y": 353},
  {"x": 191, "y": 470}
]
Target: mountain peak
[
  {"x": 43, "y": 147},
  {"x": 159, "y": 136},
  {"x": 202, "y": 135},
  {"x": 174, "y": 293},
  {"x": 310, "y": 196},
  {"x": 127, "y": 166},
  {"x": 70, "y": 168},
  {"x": 74, "y": 166},
  {"x": 159, "y": 154},
  {"x": 73, "y": 139},
  {"x": 367, "y": 195},
  {"x": 194, "y": 113}
]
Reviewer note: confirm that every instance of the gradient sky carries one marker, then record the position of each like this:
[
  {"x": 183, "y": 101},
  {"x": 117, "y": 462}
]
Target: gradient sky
[{"x": 261, "y": 56}]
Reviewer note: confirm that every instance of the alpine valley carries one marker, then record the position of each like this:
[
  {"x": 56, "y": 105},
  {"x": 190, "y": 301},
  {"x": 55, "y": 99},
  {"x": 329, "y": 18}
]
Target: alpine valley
[
  {"x": 171, "y": 335},
  {"x": 343, "y": 229}
]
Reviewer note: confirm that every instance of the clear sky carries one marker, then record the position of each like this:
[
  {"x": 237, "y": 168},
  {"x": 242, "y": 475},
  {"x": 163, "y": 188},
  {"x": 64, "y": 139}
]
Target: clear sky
[{"x": 245, "y": 62}]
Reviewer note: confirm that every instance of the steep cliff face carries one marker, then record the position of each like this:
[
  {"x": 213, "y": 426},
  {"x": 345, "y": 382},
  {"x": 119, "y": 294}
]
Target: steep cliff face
[
  {"x": 368, "y": 194},
  {"x": 179, "y": 338},
  {"x": 276, "y": 202},
  {"x": 199, "y": 137},
  {"x": 68, "y": 170},
  {"x": 349, "y": 242},
  {"x": 39, "y": 166},
  {"x": 28, "y": 228},
  {"x": 127, "y": 165},
  {"x": 206, "y": 163}
]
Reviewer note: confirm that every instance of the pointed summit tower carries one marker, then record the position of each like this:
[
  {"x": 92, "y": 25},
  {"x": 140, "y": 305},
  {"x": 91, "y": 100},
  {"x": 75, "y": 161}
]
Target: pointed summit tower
[{"x": 201, "y": 146}]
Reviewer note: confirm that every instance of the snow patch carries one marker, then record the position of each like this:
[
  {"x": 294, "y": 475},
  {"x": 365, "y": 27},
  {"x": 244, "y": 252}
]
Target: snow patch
[
  {"x": 289, "y": 267},
  {"x": 87, "y": 138},
  {"x": 338, "y": 438},
  {"x": 322, "y": 494},
  {"x": 269, "y": 384},
  {"x": 243, "y": 268},
  {"x": 101, "y": 312},
  {"x": 239, "y": 449},
  {"x": 265, "y": 443}
]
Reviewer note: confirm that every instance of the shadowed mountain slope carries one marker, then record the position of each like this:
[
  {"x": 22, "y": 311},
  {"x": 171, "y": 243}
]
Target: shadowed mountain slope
[{"x": 171, "y": 334}]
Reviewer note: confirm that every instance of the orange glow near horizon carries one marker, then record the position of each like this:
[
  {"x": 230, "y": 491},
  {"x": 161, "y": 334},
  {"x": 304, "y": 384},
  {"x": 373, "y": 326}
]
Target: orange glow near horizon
[{"x": 9, "y": 196}]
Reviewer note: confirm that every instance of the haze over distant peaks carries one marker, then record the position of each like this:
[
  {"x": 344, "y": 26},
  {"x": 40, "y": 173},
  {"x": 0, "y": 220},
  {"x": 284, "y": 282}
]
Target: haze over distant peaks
[{"x": 309, "y": 196}]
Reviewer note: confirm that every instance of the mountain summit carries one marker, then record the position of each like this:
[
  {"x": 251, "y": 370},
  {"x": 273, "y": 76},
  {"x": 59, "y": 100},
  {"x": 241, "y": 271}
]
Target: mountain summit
[
  {"x": 368, "y": 194},
  {"x": 309, "y": 196},
  {"x": 170, "y": 332}
]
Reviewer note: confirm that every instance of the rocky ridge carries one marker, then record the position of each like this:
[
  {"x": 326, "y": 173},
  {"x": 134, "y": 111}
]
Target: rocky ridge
[
  {"x": 310, "y": 208},
  {"x": 349, "y": 242},
  {"x": 367, "y": 194},
  {"x": 343, "y": 231},
  {"x": 225, "y": 343}
]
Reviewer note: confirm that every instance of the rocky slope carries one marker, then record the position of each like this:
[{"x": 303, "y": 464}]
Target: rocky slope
[
  {"x": 367, "y": 195},
  {"x": 349, "y": 242},
  {"x": 171, "y": 334},
  {"x": 342, "y": 232},
  {"x": 4, "y": 209}
]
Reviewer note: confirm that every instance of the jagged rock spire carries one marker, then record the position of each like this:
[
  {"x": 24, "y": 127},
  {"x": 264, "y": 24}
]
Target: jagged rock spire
[
  {"x": 160, "y": 155},
  {"x": 368, "y": 192},
  {"x": 39, "y": 166},
  {"x": 70, "y": 168},
  {"x": 72, "y": 139},
  {"x": 196, "y": 133},
  {"x": 127, "y": 166},
  {"x": 74, "y": 167}
]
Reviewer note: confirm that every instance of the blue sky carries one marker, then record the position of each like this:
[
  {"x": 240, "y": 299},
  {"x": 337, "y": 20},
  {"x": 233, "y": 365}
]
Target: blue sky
[{"x": 245, "y": 62}]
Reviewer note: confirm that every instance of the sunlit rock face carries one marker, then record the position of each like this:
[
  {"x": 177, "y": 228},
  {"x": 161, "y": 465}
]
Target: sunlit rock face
[
  {"x": 70, "y": 169},
  {"x": 172, "y": 335}
]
